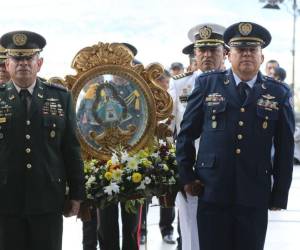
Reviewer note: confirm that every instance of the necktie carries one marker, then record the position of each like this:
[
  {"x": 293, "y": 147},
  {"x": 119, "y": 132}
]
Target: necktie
[
  {"x": 25, "y": 97},
  {"x": 243, "y": 89}
]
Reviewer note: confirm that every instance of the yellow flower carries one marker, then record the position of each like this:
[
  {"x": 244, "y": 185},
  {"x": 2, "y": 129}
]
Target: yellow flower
[
  {"x": 136, "y": 177},
  {"x": 108, "y": 176},
  {"x": 146, "y": 162},
  {"x": 109, "y": 163},
  {"x": 143, "y": 154}
]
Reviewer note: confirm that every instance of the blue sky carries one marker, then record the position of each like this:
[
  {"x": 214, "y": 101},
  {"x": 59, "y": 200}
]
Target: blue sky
[{"x": 158, "y": 28}]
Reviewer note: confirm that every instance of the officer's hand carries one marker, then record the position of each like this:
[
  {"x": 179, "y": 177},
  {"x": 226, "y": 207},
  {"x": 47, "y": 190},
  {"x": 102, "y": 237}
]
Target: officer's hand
[
  {"x": 275, "y": 209},
  {"x": 194, "y": 188},
  {"x": 74, "y": 208}
]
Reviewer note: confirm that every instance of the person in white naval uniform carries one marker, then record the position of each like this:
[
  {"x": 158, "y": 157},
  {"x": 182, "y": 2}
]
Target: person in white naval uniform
[{"x": 208, "y": 48}]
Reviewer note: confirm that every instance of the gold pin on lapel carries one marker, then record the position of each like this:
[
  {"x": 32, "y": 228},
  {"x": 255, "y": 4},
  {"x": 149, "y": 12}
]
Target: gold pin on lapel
[
  {"x": 40, "y": 95},
  {"x": 11, "y": 97},
  {"x": 226, "y": 81},
  {"x": 263, "y": 86},
  {"x": 265, "y": 125}
]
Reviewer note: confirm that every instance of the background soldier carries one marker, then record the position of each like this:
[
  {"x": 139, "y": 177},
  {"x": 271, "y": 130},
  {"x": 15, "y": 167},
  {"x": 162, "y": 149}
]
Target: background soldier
[
  {"x": 209, "y": 52},
  {"x": 39, "y": 151},
  {"x": 239, "y": 115},
  {"x": 4, "y": 75}
]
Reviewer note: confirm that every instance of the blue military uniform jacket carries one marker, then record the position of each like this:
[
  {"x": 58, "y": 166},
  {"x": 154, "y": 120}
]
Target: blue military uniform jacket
[
  {"x": 40, "y": 153},
  {"x": 234, "y": 157}
]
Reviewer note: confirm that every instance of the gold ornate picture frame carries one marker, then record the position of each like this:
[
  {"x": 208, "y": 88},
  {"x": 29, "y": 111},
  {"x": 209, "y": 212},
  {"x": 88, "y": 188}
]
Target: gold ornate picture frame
[{"x": 118, "y": 104}]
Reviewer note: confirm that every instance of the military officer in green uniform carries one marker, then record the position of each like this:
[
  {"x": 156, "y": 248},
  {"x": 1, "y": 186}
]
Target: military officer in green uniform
[{"x": 39, "y": 151}]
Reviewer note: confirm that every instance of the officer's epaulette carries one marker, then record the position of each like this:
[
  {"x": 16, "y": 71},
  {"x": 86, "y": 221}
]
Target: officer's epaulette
[
  {"x": 182, "y": 75},
  {"x": 42, "y": 79},
  {"x": 55, "y": 85},
  {"x": 267, "y": 78},
  {"x": 281, "y": 84},
  {"x": 210, "y": 72}
]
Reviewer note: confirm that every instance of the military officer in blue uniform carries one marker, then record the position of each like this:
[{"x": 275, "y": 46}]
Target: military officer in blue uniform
[
  {"x": 39, "y": 151},
  {"x": 239, "y": 115}
]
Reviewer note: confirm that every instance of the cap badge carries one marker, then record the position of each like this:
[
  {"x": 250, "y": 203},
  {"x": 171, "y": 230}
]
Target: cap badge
[
  {"x": 19, "y": 39},
  {"x": 205, "y": 32},
  {"x": 245, "y": 28}
]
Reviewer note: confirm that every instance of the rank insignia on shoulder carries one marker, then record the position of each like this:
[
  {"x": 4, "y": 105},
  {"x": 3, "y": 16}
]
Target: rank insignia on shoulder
[
  {"x": 56, "y": 85},
  {"x": 179, "y": 76}
]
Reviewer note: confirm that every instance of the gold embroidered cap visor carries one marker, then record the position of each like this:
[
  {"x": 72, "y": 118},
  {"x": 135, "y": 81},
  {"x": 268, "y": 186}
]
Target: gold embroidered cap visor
[
  {"x": 247, "y": 34},
  {"x": 22, "y": 43}
]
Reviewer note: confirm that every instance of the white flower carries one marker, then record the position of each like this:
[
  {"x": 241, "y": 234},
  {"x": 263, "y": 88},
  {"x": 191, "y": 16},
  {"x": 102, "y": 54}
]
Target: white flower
[
  {"x": 112, "y": 188},
  {"x": 114, "y": 159},
  {"x": 172, "y": 181},
  {"x": 90, "y": 181},
  {"x": 155, "y": 155},
  {"x": 117, "y": 174},
  {"x": 141, "y": 186},
  {"x": 147, "y": 180},
  {"x": 162, "y": 142},
  {"x": 132, "y": 164},
  {"x": 124, "y": 156}
]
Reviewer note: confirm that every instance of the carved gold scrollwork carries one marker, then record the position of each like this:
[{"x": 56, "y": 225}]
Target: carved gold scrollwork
[
  {"x": 101, "y": 54},
  {"x": 163, "y": 100},
  {"x": 145, "y": 98}
]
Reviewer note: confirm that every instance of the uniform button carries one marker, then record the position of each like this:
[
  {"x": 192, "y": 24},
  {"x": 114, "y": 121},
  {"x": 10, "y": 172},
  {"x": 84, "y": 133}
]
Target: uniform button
[
  {"x": 241, "y": 123},
  {"x": 242, "y": 110},
  {"x": 0, "y": 127},
  {"x": 213, "y": 117},
  {"x": 202, "y": 164},
  {"x": 54, "y": 125},
  {"x": 214, "y": 111},
  {"x": 28, "y": 166},
  {"x": 27, "y": 137},
  {"x": 28, "y": 122},
  {"x": 27, "y": 150},
  {"x": 1, "y": 136},
  {"x": 240, "y": 137},
  {"x": 238, "y": 151}
]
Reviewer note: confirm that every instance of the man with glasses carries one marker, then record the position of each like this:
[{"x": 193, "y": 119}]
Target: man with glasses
[
  {"x": 39, "y": 151},
  {"x": 239, "y": 114}
]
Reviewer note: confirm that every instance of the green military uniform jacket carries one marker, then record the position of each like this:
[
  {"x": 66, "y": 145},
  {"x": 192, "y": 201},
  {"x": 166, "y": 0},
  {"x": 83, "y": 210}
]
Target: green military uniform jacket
[{"x": 39, "y": 153}]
